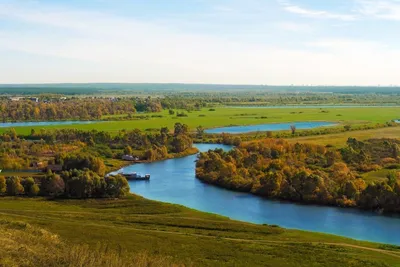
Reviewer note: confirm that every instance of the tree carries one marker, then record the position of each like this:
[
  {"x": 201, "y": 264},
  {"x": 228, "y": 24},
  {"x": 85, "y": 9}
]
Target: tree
[
  {"x": 350, "y": 190},
  {"x": 392, "y": 178},
  {"x": 181, "y": 142},
  {"x": 52, "y": 185},
  {"x": 81, "y": 183},
  {"x": 128, "y": 150},
  {"x": 97, "y": 165},
  {"x": 154, "y": 106},
  {"x": 116, "y": 186},
  {"x": 395, "y": 150},
  {"x": 199, "y": 131},
  {"x": 151, "y": 155},
  {"x": 293, "y": 129},
  {"x": 3, "y": 185},
  {"x": 13, "y": 134},
  {"x": 30, "y": 187},
  {"x": 180, "y": 128},
  {"x": 14, "y": 186}
]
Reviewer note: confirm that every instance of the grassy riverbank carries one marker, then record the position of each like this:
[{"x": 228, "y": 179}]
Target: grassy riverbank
[
  {"x": 225, "y": 116},
  {"x": 166, "y": 233}
]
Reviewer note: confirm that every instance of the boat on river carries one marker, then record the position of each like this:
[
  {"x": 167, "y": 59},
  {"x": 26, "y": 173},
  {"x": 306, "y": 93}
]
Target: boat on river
[{"x": 134, "y": 176}]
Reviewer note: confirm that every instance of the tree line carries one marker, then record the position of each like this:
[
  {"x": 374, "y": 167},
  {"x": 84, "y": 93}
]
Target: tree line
[
  {"x": 276, "y": 169},
  {"x": 70, "y": 184},
  {"x": 69, "y": 109}
]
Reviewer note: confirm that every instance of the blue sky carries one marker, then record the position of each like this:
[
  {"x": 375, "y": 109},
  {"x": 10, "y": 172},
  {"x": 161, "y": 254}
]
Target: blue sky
[{"x": 319, "y": 42}]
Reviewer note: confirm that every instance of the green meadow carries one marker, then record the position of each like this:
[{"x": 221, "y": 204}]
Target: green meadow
[
  {"x": 38, "y": 232},
  {"x": 228, "y": 116},
  {"x": 339, "y": 139}
]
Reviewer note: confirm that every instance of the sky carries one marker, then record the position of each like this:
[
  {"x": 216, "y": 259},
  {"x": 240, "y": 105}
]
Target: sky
[{"x": 273, "y": 42}]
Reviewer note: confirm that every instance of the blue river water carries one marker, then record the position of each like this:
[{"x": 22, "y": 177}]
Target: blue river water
[
  {"x": 41, "y": 123},
  {"x": 174, "y": 181},
  {"x": 269, "y": 127}
]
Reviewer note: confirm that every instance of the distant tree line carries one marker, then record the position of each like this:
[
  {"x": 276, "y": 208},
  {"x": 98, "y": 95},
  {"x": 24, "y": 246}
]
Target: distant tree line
[{"x": 70, "y": 109}]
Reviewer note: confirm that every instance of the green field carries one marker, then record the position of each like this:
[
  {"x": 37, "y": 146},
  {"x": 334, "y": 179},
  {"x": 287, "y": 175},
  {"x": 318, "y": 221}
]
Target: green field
[
  {"x": 226, "y": 116},
  {"x": 340, "y": 139},
  {"x": 135, "y": 225}
]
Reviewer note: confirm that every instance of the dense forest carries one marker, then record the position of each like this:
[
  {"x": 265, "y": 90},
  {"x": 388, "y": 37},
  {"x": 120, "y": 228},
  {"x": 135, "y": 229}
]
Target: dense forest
[{"x": 308, "y": 173}]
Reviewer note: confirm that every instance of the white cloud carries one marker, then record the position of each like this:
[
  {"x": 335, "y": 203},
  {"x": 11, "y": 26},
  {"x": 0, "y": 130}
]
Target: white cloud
[
  {"x": 75, "y": 46},
  {"x": 381, "y": 9},
  {"x": 318, "y": 14}
]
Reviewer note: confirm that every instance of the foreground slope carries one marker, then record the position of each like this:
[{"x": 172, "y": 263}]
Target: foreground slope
[{"x": 134, "y": 231}]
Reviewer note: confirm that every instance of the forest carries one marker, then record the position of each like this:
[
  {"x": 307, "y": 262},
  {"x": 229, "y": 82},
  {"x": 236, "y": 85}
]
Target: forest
[
  {"x": 83, "y": 157},
  {"x": 308, "y": 173}
]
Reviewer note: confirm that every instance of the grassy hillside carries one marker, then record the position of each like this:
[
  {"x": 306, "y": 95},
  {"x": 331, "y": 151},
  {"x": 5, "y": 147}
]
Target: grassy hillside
[
  {"x": 240, "y": 116},
  {"x": 134, "y": 230}
]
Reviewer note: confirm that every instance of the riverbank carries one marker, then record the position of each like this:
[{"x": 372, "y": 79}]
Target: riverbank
[{"x": 135, "y": 225}]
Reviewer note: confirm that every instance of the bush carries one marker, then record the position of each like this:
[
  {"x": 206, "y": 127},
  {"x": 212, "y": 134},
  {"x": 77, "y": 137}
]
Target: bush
[
  {"x": 182, "y": 114},
  {"x": 393, "y": 167}
]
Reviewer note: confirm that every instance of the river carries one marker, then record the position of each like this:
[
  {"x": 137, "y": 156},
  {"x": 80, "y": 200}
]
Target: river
[
  {"x": 270, "y": 127},
  {"x": 42, "y": 123},
  {"x": 174, "y": 181}
]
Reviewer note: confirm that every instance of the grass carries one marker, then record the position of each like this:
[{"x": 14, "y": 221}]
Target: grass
[
  {"x": 340, "y": 139},
  {"x": 225, "y": 116},
  {"x": 21, "y": 174},
  {"x": 25, "y": 245},
  {"x": 377, "y": 176},
  {"x": 165, "y": 234}
]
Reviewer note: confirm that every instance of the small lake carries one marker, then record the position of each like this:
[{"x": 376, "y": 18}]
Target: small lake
[
  {"x": 269, "y": 127},
  {"x": 41, "y": 123},
  {"x": 174, "y": 181}
]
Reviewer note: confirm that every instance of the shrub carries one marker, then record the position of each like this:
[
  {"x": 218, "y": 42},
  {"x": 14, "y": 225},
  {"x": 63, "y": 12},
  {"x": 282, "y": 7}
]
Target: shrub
[{"x": 181, "y": 114}]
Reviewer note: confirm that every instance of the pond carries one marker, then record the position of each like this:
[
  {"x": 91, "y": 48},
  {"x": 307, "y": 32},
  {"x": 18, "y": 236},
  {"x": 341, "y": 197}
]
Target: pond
[
  {"x": 269, "y": 127},
  {"x": 41, "y": 123},
  {"x": 174, "y": 181}
]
